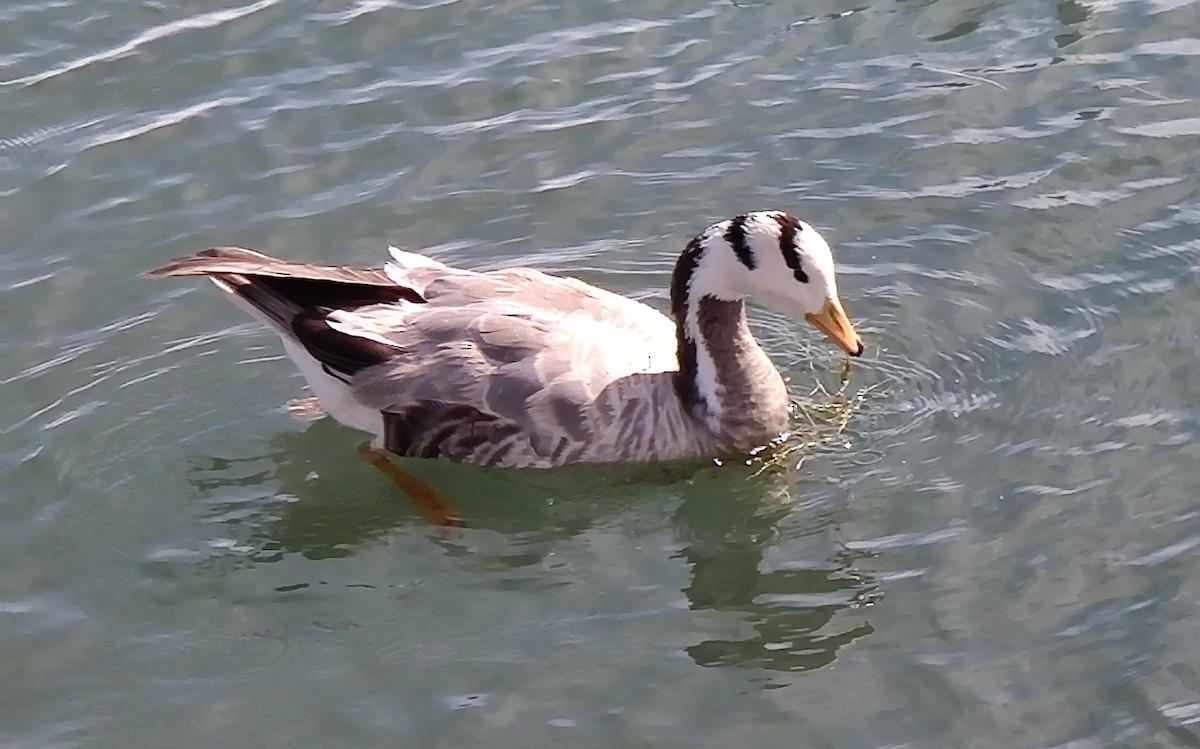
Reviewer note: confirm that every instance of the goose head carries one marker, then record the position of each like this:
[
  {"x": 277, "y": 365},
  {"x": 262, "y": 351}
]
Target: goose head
[{"x": 778, "y": 261}]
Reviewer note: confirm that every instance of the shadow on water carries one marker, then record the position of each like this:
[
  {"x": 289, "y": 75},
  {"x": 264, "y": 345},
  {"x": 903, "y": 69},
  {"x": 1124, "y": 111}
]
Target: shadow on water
[{"x": 311, "y": 495}]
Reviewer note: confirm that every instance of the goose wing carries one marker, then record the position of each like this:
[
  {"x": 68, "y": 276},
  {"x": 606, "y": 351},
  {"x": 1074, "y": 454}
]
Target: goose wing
[{"x": 512, "y": 367}]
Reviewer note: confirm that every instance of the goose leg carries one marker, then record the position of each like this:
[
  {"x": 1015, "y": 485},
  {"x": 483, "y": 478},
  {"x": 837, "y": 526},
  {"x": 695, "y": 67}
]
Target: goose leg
[
  {"x": 305, "y": 408},
  {"x": 432, "y": 504}
]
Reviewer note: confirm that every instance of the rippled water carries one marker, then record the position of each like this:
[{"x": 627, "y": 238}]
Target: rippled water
[{"x": 1002, "y": 554}]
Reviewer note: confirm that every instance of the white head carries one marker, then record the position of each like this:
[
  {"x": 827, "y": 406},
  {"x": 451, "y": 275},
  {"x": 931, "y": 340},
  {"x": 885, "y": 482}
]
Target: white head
[{"x": 780, "y": 262}]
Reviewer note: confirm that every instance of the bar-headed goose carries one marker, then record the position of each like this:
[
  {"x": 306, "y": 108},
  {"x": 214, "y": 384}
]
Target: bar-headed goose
[{"x": 524, "y": 369}]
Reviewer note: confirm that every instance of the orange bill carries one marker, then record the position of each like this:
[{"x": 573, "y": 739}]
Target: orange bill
[{"x": 832, "y": 321}]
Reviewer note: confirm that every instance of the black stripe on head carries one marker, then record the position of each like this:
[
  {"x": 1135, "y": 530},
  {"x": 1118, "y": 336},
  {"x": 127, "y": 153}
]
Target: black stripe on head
[
  {"x": 788, "y": 227},
  {"x": 735, "y": 235}
]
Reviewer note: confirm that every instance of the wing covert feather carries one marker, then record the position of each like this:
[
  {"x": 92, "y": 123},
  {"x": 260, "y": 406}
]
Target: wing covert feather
[{"x": 539, "y": 366}]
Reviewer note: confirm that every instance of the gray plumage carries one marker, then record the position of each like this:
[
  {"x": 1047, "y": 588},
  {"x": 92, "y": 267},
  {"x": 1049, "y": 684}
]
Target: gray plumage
[{"x": 518, "y": 367}]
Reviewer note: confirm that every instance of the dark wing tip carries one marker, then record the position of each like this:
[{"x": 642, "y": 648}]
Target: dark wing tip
[{"x": 340, "y": 351}]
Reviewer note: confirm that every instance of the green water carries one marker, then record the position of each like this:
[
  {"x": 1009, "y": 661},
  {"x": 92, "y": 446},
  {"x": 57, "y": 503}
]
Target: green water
[{"x": 1002, "y": 552}]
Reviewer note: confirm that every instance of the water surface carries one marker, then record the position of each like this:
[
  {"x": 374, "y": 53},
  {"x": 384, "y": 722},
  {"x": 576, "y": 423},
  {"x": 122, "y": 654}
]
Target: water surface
[{"x": 1001, "y": 552}]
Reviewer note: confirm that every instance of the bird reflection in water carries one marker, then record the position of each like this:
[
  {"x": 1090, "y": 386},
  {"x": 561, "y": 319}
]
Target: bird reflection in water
[{"x": 730, "y": 527}]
